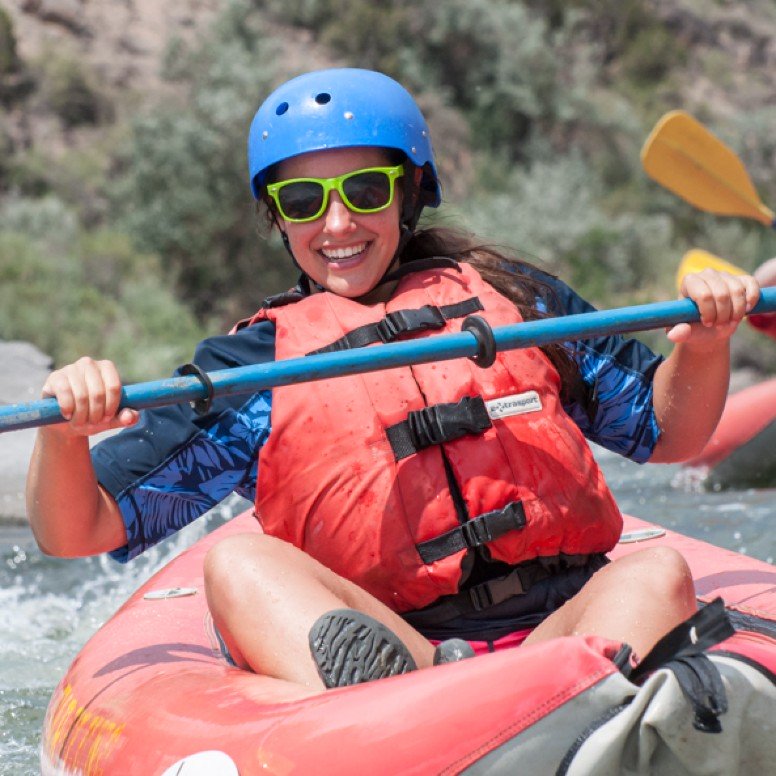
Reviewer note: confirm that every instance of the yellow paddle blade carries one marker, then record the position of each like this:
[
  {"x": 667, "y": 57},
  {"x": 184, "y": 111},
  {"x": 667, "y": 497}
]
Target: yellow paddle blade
[
  {"x": 682, "y": 155},
  {"x": 697, "y": 260}
]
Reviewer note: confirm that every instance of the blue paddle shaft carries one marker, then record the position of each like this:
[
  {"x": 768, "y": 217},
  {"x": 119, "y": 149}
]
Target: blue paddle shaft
[{"x": 247, "y": 379}]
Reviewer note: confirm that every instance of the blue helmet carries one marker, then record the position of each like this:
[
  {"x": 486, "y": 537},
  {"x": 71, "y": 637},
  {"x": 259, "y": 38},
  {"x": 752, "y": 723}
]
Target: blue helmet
[{"x": 340, "y": 108}]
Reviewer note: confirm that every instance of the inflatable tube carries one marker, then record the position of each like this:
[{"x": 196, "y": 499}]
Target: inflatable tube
[
  {"x": 152, "y": 694},
  {"x": 742, "y": 451}
]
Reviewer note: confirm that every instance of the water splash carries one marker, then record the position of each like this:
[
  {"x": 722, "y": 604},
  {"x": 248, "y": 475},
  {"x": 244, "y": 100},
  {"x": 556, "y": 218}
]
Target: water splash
[{"x": 49, "y": 608}]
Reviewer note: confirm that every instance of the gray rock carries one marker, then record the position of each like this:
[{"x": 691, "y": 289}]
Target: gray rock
[{"x": 23, "y": 370}]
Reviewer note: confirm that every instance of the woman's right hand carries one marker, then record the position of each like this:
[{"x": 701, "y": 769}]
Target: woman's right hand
[{"x": 88, "y": 393}]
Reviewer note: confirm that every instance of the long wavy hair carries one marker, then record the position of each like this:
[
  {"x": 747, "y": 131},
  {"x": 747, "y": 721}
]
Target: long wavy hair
[{"x": 512, "y": 277}]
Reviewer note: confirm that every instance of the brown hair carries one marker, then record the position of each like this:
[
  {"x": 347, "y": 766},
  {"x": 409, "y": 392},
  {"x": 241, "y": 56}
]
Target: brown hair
[{"x": 510, "y": 276}]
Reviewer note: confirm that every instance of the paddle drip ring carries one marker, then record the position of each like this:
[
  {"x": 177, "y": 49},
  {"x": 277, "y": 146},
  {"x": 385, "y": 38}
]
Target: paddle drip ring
[
  {"x": 486, "y": 342},
  {"x": 200, "y": 406}
]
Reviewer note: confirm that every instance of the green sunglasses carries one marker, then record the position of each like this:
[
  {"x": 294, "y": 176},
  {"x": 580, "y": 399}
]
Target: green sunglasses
[{"x": 363, "y": 191}]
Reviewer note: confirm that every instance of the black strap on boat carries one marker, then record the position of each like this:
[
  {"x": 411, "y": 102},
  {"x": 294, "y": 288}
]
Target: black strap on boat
[
  {"x": 401, "y": 322},
  {"x": 437, "y": 424},
  {"x": 474, "y": 533},
  {"x": 704, "y": 629},
  {"x": 200, "y": 406},
  {"x": 702, "y": 685},
  {"x": 751, "y": 622},
  {"x": 682, "y": 651}
]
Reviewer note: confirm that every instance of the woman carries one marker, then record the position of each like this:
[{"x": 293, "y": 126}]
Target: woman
[{"x": 435, "y": 502}]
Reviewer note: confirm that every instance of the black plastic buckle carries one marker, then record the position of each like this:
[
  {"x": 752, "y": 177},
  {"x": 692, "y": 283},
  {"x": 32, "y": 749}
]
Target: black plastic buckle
[
  {"x": 492, "y": 525},
  {"x": 447, "y": 422},
  {"x": 480, "y": 597},
  {"x": 402, "y": 321},
  {"x": 476, "y": 532}
]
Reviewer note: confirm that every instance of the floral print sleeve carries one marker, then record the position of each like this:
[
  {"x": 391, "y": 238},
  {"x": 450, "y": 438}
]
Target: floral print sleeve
[
  {"x": 615, "y": 411},
  {"x": 175, "y": 465}
]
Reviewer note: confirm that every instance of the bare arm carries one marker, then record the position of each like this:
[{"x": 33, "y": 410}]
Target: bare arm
[
  {"x": 70, "y": 514},
  {"x": 690, "y": 387}
]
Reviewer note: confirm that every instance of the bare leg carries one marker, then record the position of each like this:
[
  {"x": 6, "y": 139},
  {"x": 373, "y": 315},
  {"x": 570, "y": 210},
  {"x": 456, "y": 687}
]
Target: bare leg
[
  {"x": 264, "y": 595},
  {"x": 636, "y": 599}
]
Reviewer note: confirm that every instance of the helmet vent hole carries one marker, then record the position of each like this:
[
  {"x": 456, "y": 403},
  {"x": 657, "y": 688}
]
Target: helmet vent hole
[
  {"x": 281, "y": 109},
  {"x": 322, "y": 98}
]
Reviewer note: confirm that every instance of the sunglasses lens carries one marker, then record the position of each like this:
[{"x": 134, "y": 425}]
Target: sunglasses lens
[
  {"x": 368, "y": 190},
  {"x": 300, "y": 200}
]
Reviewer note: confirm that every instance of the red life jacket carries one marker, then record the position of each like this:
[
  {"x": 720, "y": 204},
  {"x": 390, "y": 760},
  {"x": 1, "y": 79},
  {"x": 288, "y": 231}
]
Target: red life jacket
[{"x": 389, "y": 478}]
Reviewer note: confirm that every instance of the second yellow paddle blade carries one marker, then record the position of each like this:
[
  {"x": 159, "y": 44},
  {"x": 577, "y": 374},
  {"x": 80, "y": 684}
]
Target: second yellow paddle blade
[
  {"x": 682, "y": 155},
  {"x": 697, "y": 260}
]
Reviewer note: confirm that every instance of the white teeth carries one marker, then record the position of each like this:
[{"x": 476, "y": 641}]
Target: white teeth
[{"x": 343, "y": 253}]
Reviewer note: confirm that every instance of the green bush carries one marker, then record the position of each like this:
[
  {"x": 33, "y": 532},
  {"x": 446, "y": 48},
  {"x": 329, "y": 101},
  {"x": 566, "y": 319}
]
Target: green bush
[
  {"x": 8, "y": 57},
  {"x": 70, "y": 90},
  {"x": 6, "y": 154},
  {"x": 751, "y": 135},
  {"x": 74, "y": 293},
  {"x": 552, "y": 215},
  {"x": 182, "y": 189},
  {"x": 652, "y": 53}
]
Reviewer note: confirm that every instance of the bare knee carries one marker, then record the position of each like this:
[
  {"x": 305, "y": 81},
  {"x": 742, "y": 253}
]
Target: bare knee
[
  {"x": 667, "y": 574},
  {"x": 242, "y": 562}
]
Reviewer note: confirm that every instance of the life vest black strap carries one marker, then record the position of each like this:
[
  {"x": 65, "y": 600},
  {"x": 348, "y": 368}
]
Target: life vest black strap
[
  {"x": 282, "y": 299},
  {"x": 402, "y": 322},
  {"x": 474, "y": 533},
  {"x": 421, "y": 265},
  {"x": 437, "y": 424},
  {"x": 482, "y": 596}
]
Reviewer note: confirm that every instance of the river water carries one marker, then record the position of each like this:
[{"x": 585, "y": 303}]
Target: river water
[{"x": 49, "y": 608}]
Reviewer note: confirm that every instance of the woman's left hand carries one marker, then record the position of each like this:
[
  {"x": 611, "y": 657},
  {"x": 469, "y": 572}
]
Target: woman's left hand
[{"x": 723, "y": 300}]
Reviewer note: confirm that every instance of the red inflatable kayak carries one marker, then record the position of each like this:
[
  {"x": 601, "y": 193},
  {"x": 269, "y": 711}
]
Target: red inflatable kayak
[
  {"x": 742, "y": 451},
  {"x": 151, "y": 694}
]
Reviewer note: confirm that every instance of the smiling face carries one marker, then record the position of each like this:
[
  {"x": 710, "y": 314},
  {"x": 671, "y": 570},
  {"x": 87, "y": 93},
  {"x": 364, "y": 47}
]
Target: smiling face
[{"x": 346, "y": 253}]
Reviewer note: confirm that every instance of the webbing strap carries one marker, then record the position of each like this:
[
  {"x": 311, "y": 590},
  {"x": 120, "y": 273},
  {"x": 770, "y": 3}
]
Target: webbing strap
[
  {"x": 436, "y": 424},
  {"x": 495, "y": 591},
  {"x": 421, "y": 265},
  {"x": 702, "y": 685},
  {"x": 474, "y": 533},
  {"x": 402, "y": 322},
  {"x": 282, "y": 299},
  {"x": 704, "y": 629}
]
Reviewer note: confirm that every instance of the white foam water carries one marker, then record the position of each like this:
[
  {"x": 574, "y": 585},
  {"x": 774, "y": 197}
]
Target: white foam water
[{"x": 49, "y": 608}]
